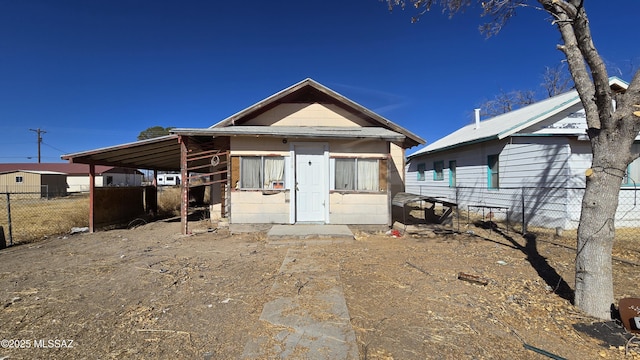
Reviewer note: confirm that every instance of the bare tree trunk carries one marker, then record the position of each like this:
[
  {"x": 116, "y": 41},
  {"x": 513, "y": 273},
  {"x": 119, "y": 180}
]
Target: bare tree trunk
[{"x": 594, "y": 273}]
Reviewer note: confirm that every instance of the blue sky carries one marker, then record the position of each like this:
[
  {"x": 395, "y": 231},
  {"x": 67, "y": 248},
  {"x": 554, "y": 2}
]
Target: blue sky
[{"x": 94, "y": 73}]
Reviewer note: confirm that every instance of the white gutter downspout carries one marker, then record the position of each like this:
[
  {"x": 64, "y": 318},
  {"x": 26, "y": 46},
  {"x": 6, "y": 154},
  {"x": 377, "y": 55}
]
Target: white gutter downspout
[{"x": 477, "y": 111}]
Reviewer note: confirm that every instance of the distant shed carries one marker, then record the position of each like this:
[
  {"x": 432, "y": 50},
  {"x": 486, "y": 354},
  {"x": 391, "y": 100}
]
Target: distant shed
[
  {"x": 78, "y": 174},
  {"x": 34, "y": 184}
]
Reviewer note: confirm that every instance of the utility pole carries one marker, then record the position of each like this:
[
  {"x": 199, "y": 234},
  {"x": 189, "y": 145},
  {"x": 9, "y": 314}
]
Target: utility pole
[{"x": 39, "y": 132}]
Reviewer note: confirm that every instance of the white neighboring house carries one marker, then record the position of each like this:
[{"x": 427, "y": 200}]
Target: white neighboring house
[
  {"x": 105, "y": 176},
  {"x": 532, "y": 159},
  {"x": 169, "y": 179}
]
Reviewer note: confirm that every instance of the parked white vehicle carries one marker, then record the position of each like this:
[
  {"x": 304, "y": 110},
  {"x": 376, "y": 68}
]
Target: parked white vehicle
[{"x": 168, "y": 179}]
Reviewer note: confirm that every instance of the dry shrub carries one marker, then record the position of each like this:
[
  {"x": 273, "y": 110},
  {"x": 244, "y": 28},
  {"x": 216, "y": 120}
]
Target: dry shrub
[{"x": 169, "y": 201}]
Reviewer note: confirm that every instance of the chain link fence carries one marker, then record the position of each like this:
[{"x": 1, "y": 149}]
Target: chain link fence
[
  {"x": 30, "y": 216},
  {"x": 548, "y": 210}
]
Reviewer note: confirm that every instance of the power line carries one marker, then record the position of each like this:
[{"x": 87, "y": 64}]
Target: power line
[{"x": 54, "y": 148}]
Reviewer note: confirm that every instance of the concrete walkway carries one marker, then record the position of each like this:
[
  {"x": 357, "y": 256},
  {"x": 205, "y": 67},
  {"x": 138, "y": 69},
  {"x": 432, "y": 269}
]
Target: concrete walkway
[
  {"x": 307, "y": 316},
  {"x": 321, "y": 234}
]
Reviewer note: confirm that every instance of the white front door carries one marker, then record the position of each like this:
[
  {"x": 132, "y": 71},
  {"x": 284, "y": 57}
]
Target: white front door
[{"x": 311, "y": 190}]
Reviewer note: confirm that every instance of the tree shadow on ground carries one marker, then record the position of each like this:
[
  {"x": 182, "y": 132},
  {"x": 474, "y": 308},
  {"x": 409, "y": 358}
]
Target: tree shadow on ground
[
  {"x": 537, "y": 261},
  {"x": 609, "y": 333}
]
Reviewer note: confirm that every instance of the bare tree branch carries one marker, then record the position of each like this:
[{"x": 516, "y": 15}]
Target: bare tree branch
[{"x": 556, "y": 80}]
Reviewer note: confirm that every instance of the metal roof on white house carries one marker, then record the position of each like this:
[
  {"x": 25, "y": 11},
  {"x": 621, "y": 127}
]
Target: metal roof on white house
[{"x": 507, "y": 124}]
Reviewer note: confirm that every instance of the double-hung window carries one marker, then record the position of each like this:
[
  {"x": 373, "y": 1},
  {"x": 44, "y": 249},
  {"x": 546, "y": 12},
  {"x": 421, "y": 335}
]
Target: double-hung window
[
  {"x": 493, "y": 172},
  {"x": 438, "y": 171},
  {"x": 632, "y": 175},
  {"x": 262, "y": 172},
  {"x": 452, "y": 173},
  {"x": 357, "y": 174},
  {"x": 421, "y": 169}
]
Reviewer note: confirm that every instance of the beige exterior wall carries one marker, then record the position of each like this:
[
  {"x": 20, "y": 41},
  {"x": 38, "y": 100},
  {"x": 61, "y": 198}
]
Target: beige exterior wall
[
  {"x": 344, "y": 208},
  {"x": 358, "y": 148},
  {"x": 362, "y": 209},
  {"x": 313, "y": 114},
  {"x": 396, "y": 169},
  {"x": 258, "y": 208},
  {"x": 258, "y": 146},
  {"x": 30, "y": 182},
  {"x": 250, "y": 206},
  {"x": 35, "y": 184}
]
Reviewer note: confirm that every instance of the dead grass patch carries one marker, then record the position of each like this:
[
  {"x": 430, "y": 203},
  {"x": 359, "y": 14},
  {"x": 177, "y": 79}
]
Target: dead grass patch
[
  {"x": 169, "y": 201},
  {"x": 33, "y": 219}
]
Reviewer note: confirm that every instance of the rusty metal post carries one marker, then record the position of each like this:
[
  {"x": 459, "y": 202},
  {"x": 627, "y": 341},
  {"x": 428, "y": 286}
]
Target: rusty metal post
[
  {"x": 92, "y": 195},
  {"x": 10, "y": 229},
  {"x": 155, "y": 192},
  {"x": 184, "y": 185}
]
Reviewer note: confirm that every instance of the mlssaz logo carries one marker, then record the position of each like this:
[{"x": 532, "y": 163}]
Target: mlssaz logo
[{"x": 53, "y": 344}]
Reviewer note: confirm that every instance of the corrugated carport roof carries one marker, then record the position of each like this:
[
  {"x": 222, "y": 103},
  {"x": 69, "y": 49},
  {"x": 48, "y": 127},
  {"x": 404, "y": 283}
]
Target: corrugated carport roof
[{"x": 161, "y": 153}]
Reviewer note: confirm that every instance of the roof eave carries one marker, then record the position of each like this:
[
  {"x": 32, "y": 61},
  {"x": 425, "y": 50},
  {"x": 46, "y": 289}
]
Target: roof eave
[
  {"x": 454, "y": 146},
  {"x": 117, "y": 147},
  {"x": 221, "y": 133},
  {"x": 411, "y": 138}
]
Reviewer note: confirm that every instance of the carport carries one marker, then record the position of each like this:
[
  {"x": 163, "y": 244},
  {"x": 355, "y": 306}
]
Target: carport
[{"x": 201, "y": 160}]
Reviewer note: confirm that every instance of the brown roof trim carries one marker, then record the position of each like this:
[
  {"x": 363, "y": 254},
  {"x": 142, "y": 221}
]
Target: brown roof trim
[{"x": 324, "y": 93}]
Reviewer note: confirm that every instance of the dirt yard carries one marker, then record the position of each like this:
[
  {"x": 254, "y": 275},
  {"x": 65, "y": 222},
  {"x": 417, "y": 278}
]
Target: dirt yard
[{"x": 151, "y": 293}]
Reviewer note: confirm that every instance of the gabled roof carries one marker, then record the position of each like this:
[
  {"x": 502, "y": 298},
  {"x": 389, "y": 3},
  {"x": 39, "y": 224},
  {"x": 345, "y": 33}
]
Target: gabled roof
[
  {"x": 65, "y": 168},
  {"x": 507, "y": 124},
  {"x": 309, "y": 90},
  {"x": 54, "y": 168},
  {"x": 163, "y": 153},
  {"x": 39, "y": 172}
]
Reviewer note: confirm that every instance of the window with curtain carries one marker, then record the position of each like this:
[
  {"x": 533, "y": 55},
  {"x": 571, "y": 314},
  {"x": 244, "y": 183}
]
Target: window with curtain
[
  {"x": 493, "y": 172},
  {"x": 452, "y": 173},
  {"x": 632, "y": 175},
  {"x": 262, "y": 172},
  {"x": 357, "y": 174},
  {"x": 438, "y": 171},
  {"x": 421, "y": 169},
  {"x": 345, "y": 174}
]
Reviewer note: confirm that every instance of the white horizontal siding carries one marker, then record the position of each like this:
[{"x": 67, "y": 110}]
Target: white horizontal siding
[
  {"x": 534, "y": 165},
  {"x": 539, "y": 163}
]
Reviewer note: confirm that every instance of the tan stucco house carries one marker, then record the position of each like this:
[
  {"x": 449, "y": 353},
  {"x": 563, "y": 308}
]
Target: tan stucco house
[
  {"x": 309, "y": 155},
  {"x": 303, "y": 155}
]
